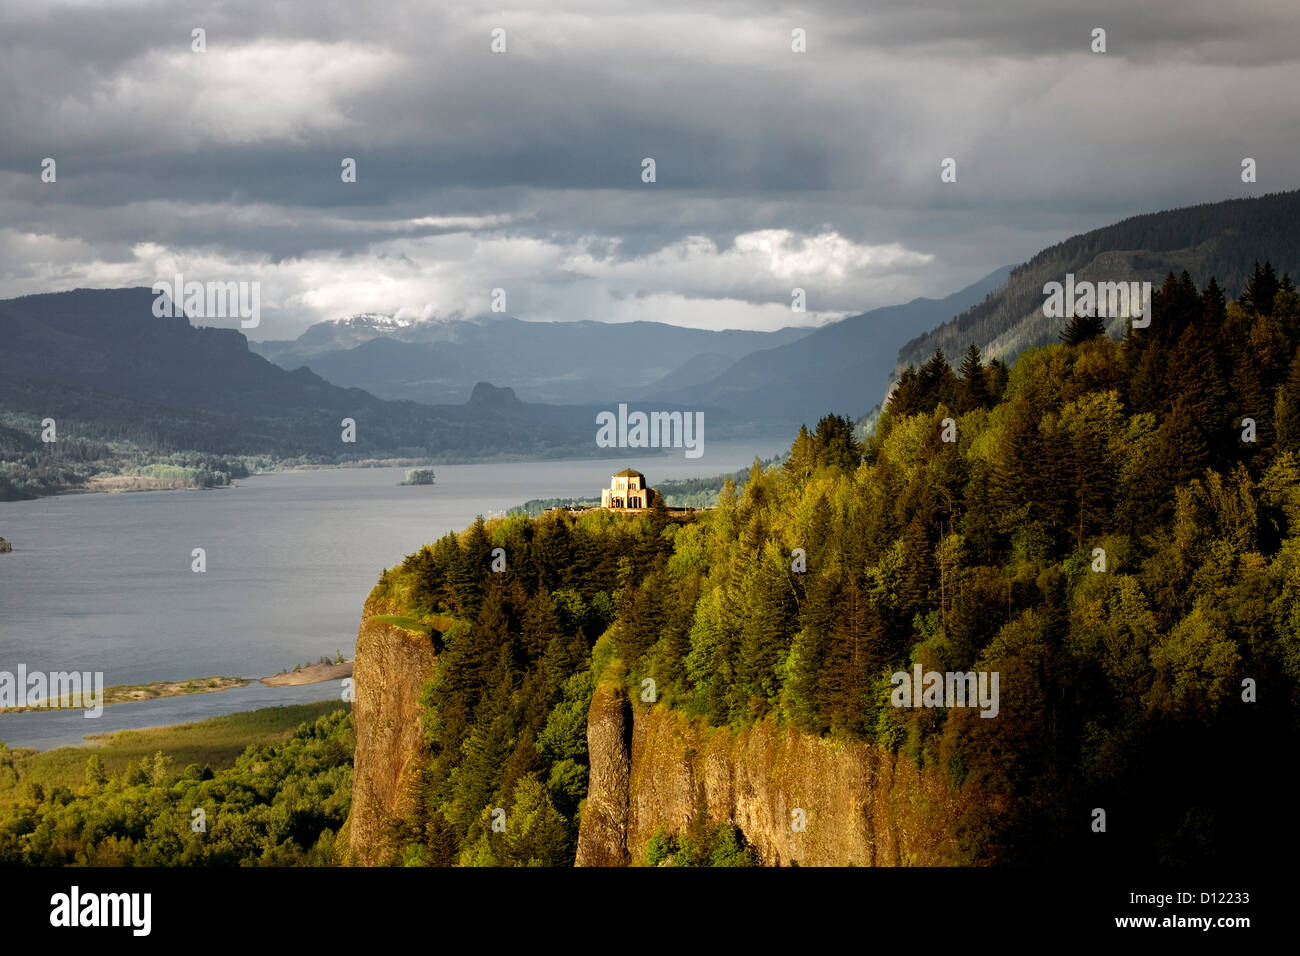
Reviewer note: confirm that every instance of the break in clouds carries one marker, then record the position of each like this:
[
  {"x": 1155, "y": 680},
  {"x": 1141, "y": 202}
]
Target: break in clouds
[{"x": 523, "y": 170}]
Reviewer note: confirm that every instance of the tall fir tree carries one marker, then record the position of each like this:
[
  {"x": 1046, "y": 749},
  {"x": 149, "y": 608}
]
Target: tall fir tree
[
  {"x": 974, "y": 385},
  {"x": 1081, "y": 328}
]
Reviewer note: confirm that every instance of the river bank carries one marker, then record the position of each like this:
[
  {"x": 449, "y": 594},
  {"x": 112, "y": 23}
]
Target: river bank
[
  {"x": 128, "y": 693},
  {"x": 47, "y": 730}
]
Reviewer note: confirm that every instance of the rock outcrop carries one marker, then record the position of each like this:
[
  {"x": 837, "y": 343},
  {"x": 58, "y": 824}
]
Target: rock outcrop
[
  {"x": 603, "y": 838},
  {"x": 858, "y": 803},
  {"x": 392, "y": 666},
  {"x": 5, "y": 546}
]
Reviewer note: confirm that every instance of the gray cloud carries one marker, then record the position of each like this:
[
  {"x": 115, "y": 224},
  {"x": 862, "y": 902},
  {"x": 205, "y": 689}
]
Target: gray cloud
[{"x": 522, "y": 170}]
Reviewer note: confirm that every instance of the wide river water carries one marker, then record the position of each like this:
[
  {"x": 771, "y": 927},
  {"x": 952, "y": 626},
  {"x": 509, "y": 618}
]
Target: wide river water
[{"x": 103, "y": 582}]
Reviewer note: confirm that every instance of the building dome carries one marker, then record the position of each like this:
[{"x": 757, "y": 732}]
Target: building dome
[{"x": 627, "y": 491}]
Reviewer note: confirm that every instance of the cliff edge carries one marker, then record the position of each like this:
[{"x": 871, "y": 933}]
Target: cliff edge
[
  {"x": 798, "y": 799},
  {"x": 392, "y": 666}
]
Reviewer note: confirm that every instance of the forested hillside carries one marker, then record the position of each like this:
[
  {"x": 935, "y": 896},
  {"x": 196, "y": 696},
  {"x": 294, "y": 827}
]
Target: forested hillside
[
  {"x": 1224, "y": 240},
  {"x": 1112, "y": 531},
  {"x": 133, "y": 394}
]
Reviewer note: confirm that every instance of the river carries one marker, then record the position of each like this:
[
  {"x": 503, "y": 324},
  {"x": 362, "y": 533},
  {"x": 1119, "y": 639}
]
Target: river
[{"x": 104, "y": 582}]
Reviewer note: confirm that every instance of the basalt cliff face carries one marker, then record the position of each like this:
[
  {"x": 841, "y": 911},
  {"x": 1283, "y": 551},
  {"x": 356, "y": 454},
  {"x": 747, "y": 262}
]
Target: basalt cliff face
[
  {"x": 392, "y": 667},
  {"x": 858, "y": 804},
  {"x": 796, "y": 798}
]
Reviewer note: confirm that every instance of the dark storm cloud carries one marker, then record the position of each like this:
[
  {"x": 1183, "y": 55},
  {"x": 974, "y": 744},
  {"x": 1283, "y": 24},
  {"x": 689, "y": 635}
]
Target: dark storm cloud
[{"x": 475, "y": 169}]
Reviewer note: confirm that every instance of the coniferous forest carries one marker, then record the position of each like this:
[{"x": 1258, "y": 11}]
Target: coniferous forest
[{"x": 1110, "y": 526}]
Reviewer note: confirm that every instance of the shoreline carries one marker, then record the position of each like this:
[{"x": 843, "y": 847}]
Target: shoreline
[
  {"x": 111, "y": 483},
  {"x": 161, "y": 690},
  {"x": 315, "y": 674}
]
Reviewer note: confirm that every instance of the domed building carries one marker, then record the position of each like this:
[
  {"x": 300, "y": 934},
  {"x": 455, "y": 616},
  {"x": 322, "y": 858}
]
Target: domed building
[{"x": 627, "y": 491}]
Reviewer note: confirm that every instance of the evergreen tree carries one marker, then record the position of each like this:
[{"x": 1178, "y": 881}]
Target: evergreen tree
[
  {"x": 1287, "y": 410},
  {"x": 1261, "y": 288},
  {"x": 975, "y": 390},
  {"x": 1249, "y": 401},
  {"x": 1081, "y": 328},
  {"x": 834, "y": 444},
  {"x": 803, "y": 457},
  {"x": 997, "y": 379},
  {"x": 937, "y": 383},
  {"x": 855, "y": 650},
  {"x": 1215, "y": 307}
]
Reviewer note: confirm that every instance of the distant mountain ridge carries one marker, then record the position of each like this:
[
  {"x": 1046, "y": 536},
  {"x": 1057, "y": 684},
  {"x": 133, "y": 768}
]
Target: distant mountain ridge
[
  {"x": 842, "y": 367},
  {"x": 105, "y": 368},
  {"x": 1221, "y": 239},
  {"x": 779, "y": 378},
  {"x": 578, "y": 362}
]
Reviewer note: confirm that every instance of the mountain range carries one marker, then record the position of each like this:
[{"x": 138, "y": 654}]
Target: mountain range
[
  {"x": 108, "y": 370},
  {"x": 783, "y": 378},
  {"x": 562, "y": 363}
]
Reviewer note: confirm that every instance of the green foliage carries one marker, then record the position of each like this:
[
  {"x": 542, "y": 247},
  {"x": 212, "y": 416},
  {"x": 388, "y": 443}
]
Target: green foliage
[
  {"x": 505, "y": 713},
  {"x": 419, "y": 476},
  {"x": 30, "y": 468},
  {"x": 810, "y": 584},
  {"x": 721, "y": 846},
  {"x": 980, "y": 554},
  {"x": 279, "y": 805}
]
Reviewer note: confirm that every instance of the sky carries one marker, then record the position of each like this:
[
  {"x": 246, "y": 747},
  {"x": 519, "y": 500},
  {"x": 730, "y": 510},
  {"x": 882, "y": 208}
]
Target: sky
[{"x": 522, "y": 170}]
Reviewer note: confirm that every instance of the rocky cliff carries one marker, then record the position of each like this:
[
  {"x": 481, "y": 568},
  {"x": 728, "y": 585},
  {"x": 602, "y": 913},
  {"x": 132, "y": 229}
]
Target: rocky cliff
[
  {"x": 796, "y": 798},
  {"x": 859, "y": 804},
  {"x": 392, "y": 666}
]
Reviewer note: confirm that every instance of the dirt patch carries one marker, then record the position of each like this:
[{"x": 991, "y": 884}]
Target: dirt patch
[
  {"x": 310, "y": 675},
  {"x": 123, "y": 693}
]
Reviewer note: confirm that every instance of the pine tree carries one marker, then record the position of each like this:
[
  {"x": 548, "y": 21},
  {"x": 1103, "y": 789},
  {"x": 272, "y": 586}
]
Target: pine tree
[
  {"x": 834, "y": 444},
  {"x": 1249, "y": 400},
  {"x": 1082, "y": 328},
  {"x": 765, "y": 631},
  {"x": 802, "y": 458},
  {"x": 1261, "y": 288},
  {"x": 903, "y": 398},
  {"x": 470, "y": 571},
  {"x": 1215, "y": 307},
  {"x": 936, "y": 383},
  {"x": 552, "y": 550},
  {"x": 854, "y": 652},
  {"x": 1192, "y": 376},
  {"x": 997, "y": 379},
  {"x": 1287, "y": 410},
  {"x": 918, "y": 567},
  {"x": 1175, "y": 306},
  {"x": 1182, "y": 452},
  {"x": 975, "y": 390}
]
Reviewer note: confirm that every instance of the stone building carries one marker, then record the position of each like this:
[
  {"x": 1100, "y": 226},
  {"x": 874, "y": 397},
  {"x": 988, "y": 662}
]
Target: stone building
[{"x": 627, "y": 491}]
